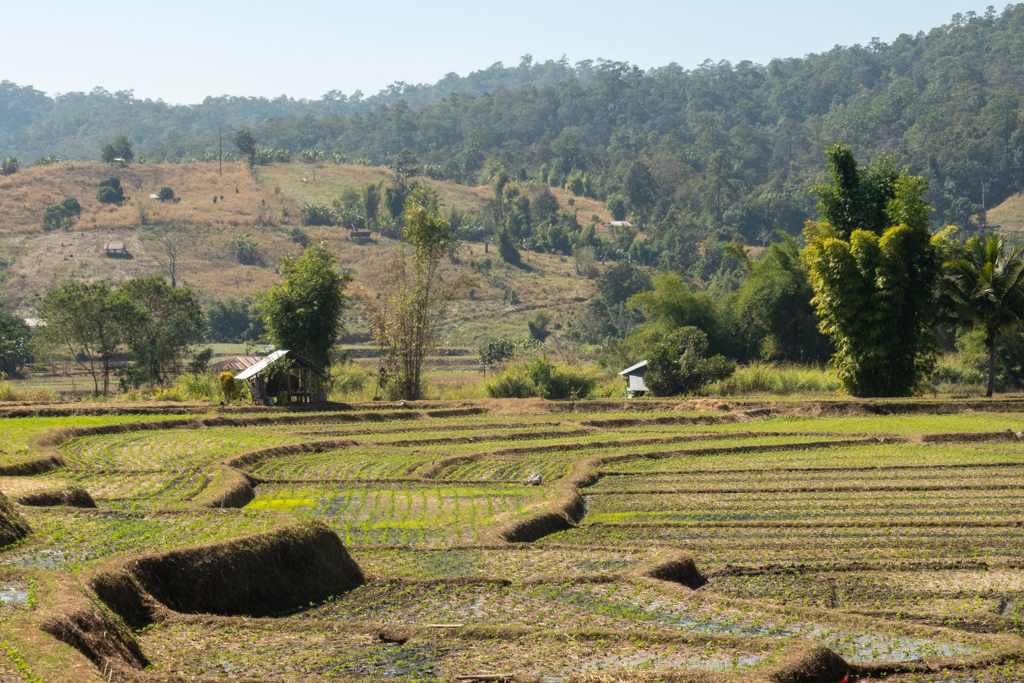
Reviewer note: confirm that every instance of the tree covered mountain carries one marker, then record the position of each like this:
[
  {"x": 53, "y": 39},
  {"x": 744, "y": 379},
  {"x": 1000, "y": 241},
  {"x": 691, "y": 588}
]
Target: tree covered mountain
[{"x": 721, "y": 145}]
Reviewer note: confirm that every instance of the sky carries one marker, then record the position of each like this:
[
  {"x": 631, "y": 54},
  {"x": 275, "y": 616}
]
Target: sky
[{"x": 186, "y": 50}]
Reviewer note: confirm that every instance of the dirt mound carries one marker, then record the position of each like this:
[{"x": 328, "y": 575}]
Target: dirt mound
[
  {"x": 27, "y": 468},
  {"x": 231, "y": 490},
  {"x": 99, "y": 635},
  {"x": 810, "y": 663},
  {"x": 256, "y": 575},
  {"x": 678, "y": 569},
  {"x": 71, "y": 496}
]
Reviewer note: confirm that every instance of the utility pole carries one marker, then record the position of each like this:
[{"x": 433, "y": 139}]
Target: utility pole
[{"x": 220, "y": 152}]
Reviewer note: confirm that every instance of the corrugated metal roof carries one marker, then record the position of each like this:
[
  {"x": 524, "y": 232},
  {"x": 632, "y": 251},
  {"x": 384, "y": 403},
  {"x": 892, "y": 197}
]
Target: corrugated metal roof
[
  {"x": 237, "y": 364},
  {"x": 256, "y": 369},
  {"x": 631, "y": 368},
  {"x": 114, "y": 245}
]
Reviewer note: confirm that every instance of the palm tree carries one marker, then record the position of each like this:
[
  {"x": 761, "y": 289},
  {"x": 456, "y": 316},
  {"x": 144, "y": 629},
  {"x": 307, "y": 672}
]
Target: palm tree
[{"x": 985, "y": 288}]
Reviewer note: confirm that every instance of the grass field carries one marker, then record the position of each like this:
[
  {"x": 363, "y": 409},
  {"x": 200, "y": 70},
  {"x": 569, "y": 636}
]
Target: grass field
[
  {"x": 521, "y": 539},
  {"x": 208, "y": 266}
]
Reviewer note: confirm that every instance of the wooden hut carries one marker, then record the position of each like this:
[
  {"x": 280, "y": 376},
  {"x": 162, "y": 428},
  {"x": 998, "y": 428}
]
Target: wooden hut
[
  {"x": 296, "y": 384},
  {"x": 115, "y": 249}
]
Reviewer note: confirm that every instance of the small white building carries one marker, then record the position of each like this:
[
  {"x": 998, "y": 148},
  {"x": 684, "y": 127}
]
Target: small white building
[{"x": 635, "y": 378}]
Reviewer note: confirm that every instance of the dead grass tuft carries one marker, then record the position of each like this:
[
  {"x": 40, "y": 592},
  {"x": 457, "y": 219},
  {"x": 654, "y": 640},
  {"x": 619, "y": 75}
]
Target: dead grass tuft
[{"x": 12, "y": 526}]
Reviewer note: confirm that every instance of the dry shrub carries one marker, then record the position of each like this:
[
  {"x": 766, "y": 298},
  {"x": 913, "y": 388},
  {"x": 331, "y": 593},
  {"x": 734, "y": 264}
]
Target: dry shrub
[
  {"x": 12, "y": 526},
  {"x": 10, "y": 392}
]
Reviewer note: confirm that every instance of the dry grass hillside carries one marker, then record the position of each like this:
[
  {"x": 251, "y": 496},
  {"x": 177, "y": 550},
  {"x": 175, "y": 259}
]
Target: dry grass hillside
[
  {"x": 1009, "y": 215},
  {"x": 296, "y": 181},
  {"x": 39, "y": 260}
]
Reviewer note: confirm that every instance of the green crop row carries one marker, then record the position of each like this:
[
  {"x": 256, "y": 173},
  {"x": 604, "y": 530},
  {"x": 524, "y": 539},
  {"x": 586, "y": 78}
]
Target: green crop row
[
  {"x": 515, "y": 563},
  {"x": 172, "y": 448},
  {"x": 409, "y": 514},
  {"x": 67, "y": 539}
]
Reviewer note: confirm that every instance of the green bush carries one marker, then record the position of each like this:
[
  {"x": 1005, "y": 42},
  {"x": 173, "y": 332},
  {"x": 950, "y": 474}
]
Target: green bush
[
  {"x": 109, "y": 191},
  {"x": 316, "y": 214},
  {"x": 348, "y": 378},
  {"x": 676, "y": 365},
  {"x": 541, "y": 378},
  {"x": 962, "y": 372},
  {"x": 198, "y": 387}
]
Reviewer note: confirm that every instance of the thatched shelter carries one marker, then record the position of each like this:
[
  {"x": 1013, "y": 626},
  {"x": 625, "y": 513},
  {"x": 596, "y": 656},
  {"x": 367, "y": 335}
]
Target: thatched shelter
[{"x": 286, "y": 376}]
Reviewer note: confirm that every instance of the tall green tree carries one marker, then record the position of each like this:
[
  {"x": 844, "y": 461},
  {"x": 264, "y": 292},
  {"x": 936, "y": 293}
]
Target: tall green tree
[
  {"x": 772, "y": 312},
  {"x": 984, "y": 289},
  {"x": 172, "y": 329},
  {"x": 303, "y": 312},
  {"x": 61, "y": 215},
  {"x": 641, "y": 190},
  {"x": 407, "y": 315},
  {"x": 369, "y": 200},
  {"x": 90, "y": 321},
  {"x": 678, "y": 364},
  {"x": 15, "y": 335},
  {"x": 233, "y": 321},
  {"x": 119, "y": 148},
  {"x": 873, "y": 268},
  {"x": 245, "y": 143}
]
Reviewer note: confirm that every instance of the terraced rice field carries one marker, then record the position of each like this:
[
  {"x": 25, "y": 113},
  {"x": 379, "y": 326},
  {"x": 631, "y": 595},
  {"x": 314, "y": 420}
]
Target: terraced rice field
[{"x": 611, "y": 541}]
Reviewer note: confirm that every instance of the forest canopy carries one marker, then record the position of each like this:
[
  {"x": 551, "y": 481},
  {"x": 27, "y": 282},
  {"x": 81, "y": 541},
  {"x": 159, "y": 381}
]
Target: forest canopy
[{"x": 734, "y": 144}]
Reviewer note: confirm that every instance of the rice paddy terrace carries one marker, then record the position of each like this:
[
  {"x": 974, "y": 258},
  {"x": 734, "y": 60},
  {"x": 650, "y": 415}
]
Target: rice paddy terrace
[{"x": 515, "y": 540}]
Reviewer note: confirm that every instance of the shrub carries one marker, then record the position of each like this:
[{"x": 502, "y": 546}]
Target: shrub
[
  {"x": 541, "y": 378},
  {"x": 200, "y": 386},
  {"x": 9, "y": 166},
  {"x": 245, "y": 251},
  {"x": 299, "y": 236},
  {"x": 8, "y": 392},
  {"x": 348, "y": 378},
  {"x": 960, "y": 372},
  {"x": 538, "y": 325},
  {"x": 165, "y": 194},
  {"x": 507, "y": 248},
  {"x": 109, "y": 191},
  {"x": 775, "y": 378},
  {"x": 316, "y": 214},
  {"x": 676, "y": 365},
  {"x": 228, "y": 387}
]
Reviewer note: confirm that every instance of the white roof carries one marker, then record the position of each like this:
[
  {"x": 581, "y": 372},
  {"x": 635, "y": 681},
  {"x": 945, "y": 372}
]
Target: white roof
[
  {"x": 154, "y": 196},
  {"x": 254, "y": 370},
  {"x": 631, "y": 368}
]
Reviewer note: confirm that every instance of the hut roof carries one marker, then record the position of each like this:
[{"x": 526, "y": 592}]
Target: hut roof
[
  {"x": 259, "y": 367},
  {"x": 633, "y": 368},
  {"x": 236, "y": 364}
]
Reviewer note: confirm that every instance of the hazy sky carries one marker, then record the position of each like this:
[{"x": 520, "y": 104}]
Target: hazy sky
[{"x": 183, "y": 51}]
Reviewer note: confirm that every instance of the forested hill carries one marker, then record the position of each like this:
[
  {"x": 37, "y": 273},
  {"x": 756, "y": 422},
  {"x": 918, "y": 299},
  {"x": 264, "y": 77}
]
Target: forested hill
[
  {"x": 33, "y": 124},
  {"x": 734, "y": 145}
]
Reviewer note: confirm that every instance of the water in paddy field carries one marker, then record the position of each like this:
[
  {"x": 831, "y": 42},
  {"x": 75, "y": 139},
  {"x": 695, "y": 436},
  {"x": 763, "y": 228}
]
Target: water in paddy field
[
  {"x": 45, "y": 559},
  {"x": 13, "y": 594}
]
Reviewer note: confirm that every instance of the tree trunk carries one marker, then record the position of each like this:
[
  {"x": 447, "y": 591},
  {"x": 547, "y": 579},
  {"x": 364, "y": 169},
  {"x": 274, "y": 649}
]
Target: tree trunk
[{"x": 991, "y": 343}]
